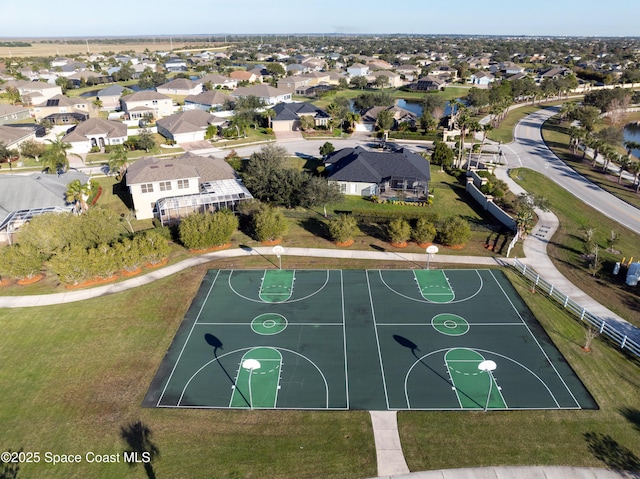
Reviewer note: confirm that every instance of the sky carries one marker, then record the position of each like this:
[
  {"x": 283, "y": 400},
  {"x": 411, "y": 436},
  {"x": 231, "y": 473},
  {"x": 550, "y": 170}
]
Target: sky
[{"x": 44, "y": 18}]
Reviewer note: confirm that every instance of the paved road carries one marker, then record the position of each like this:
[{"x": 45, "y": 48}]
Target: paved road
[{"x": 528, "y": 150}]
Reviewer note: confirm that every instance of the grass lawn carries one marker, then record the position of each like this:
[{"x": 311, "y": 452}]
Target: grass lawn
[
  {"x": 74, "y": 376},
  {"x": 566, "y": 246}
]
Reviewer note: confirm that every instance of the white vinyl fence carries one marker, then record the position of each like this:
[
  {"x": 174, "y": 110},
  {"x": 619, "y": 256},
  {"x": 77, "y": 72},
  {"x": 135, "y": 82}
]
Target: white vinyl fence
[{"x": 604, "y": 328}]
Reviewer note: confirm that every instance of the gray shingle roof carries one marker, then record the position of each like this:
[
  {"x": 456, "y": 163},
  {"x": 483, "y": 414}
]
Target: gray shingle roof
[
  {"x": 360, "y": 165},
  {"x": 99, "y": 126},
  {"x": 186, "y": 121},
  {"x": 206, "y": 168},
  {"x": 37, "y": 190}
]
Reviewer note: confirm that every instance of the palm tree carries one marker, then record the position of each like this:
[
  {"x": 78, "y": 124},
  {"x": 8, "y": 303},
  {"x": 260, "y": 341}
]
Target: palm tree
[
  {"x": 474, "y": 126},
  {"x": 118, "y": 161},
  {"x": 463, "y": 121},
  {"x": 630, "y": 146},
  {"x": 385, "y": 122},
  {"x": 576, "y": 135},
  {"x": 623, "y": 163},
  {"x": 78, "y": 194},
  {"x": 55, "y": 158},
  {"x": 634, "y": 169}
]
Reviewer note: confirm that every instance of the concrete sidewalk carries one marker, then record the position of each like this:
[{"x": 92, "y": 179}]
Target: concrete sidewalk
[{"x": 511, "y": 472}]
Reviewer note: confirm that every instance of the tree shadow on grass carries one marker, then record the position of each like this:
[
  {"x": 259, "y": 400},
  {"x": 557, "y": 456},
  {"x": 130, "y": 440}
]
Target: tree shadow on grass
[
  {"x": 632, "y": 415},
  {"x": 138, "y": 438},
  {"x": 316, "y": 226},
  {"x": 374, "y": 230},
  {"x": 614, "y": 455},
  {"x": 122, "y": 192},
  {"x": 9, "y": 470}
]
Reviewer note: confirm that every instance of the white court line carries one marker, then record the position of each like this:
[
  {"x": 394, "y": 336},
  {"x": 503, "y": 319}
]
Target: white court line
[
  {"x": 344, "y": 340},
  {"x": 536, "y": 340},
  {"x": 375, "y": 328},
  {"x": 288, "y": 324},
  {"x": 326, "y": 385},
  {"x": 431, "y": 302},
  {"x": 189, "y": 336},
  {"x": 289, "y": 301},
  {"x": 430, "y": 324}
]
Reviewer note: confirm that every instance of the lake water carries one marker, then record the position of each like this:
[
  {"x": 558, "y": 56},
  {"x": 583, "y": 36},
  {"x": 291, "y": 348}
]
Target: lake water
[
  {"x": 416, "y": 108},
  {"x": 632, "y": 133}
]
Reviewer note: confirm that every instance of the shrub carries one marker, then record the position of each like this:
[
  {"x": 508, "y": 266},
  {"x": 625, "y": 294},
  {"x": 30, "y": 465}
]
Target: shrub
[
  {"x": 153, "y": 247},
  {"x": 21, "y": 261},
  {"x": 204, "y": 230},
  {"x": 269, "y": 224},
  {"x": 342, "y": 228},
  {"x": 129, "y": 254},
  {"x": 71, "y": 264},
  {"x": 455, "y": 231},
  {"x": 424, "y": 231},
  {"x": 399, "y": 230}
]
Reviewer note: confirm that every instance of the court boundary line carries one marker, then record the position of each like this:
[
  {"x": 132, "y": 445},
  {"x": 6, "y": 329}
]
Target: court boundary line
[
  {"x": 540, "y": 380},
  {"x": 538, "y": 343},
  {"x": 288, "y": 324},
  {"x": 375, "y": 329},
  {"x": 324, "y": 379},
  {"x": 344, "y": 341},
  {"x": 195, "y": 321},
  {"x": 429, "y": 323},
  {"x": 281, "y": 302},
  {"x": 425, "y": 300}
]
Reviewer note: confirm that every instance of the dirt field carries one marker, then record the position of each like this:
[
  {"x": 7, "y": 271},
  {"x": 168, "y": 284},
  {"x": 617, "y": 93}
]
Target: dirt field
[{"x": 60, "y": 48}]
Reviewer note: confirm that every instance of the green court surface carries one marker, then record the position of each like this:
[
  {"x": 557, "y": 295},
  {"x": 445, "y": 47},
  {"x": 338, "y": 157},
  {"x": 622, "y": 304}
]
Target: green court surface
[{"x": 352, "y": 339}]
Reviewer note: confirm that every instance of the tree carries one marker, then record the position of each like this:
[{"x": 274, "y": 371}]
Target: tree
[
  {"x": 118, "y": 161},
  {"x": 78, "y": 194},
  {"x": 12, "y": 94},
  {"x": 32, "y": 149},
  {"x": 269, "y": 224},
  {"x": 145, "y": 140},
  {"x": 381, "y": 81},
  {"x": 634, "y": 169},
  {"x": 399, "y": 231},
  {"x": 55, "y": 159},
  {"x": 307, "y": 122},
  {"x": 358, "y": 82},
  {"x": 261, "y": 171},
  {"x": 342, "y": 228},
  {"x": 455, "y": 231},
  {"x": 276, "y": 70},
  {"x": 326, "y": 149},
  {"x": 424, "y": 231},
  {"x": 442, "y": 155},
  {"x": 318, "y": 191},
  {"x": 385, "y": 121}
]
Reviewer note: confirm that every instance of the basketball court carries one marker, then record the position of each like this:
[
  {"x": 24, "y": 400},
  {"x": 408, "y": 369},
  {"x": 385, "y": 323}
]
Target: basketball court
[{"x": 355, "y": 339}]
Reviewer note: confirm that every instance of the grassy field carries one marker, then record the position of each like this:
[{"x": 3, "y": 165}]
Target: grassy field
[
  {"x": 62, "y": 48},
  {"x": 74, "y": 376},
  {"x": 566, "y": 246}
]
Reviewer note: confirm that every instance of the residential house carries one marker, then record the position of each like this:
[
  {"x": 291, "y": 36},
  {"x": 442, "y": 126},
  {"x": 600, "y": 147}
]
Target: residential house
[
  {"x": 507, "y": 68},
  {"x": 429, "y": 83},
  {"x": 378, "y": 64},
  {"x": 481, "y": 79},
  {"x": 187, "y": 126},
  {"x": 180, "y": 87},
  {"x": 400, "y": 115},
  {"x": 357, "y": 171},
  {"x": 358, "y": 70},
  {"x": 13, "y": 136},
  {"x": 88, "y": 77},
  {"x": 446, "y": 73},
  {"x": 293, "y": 83},
  {"x": 110, "y": 97},
  {"x": 219, "y": 81},
  {"x": 170, "y": 189},
  {"x": 13, "y": 113},
  {"x": 243, "y": 76},
  {"x": 95, "y": 132},
  {"x": 297, "y": 69},
  {"x": 62, "y": 110},
  {"x": 145, "y": 104},
  {"x": 207, "y": 101},
  {"x": 553, "y": 73},
  {"x": 288, "y": 116},
  {"x": 268, "y": 94},
  {"x": 393, "y": 79},
  {"x": 410, "y": 72},
  {"x": 33, "y": 92},
  {"x": 175, "y": 64},
  {"x": 24, "y": 196}
]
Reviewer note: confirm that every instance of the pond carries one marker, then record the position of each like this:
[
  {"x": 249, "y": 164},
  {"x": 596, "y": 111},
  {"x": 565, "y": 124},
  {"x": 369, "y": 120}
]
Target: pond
[
  {"x": 416, "y": 107},
  {"x": 631, "y": 132}
]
